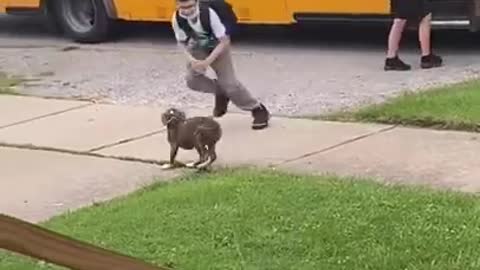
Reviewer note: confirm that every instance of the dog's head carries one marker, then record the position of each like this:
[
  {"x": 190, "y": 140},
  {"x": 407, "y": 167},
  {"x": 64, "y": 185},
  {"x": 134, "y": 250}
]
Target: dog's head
[{"x": 172, "y": 117}]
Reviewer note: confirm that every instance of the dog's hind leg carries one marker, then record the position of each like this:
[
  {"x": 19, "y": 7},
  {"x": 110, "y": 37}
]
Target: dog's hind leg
[
  {"x": 213, "y": 152},
  {"x": 212, "y": 156},
  {"x": 200, "y": 158}
]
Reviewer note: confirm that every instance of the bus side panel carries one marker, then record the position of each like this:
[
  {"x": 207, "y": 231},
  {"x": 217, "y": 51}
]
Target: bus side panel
[
  {"x": 262, "y": 12},
  {"x": 351, "y": 7},
  {"x": 22, "y": 3},
  {"x": 134, "y": 10},
  {"x": 248, "y": 11},
  {"x": 3, "y": 4}
]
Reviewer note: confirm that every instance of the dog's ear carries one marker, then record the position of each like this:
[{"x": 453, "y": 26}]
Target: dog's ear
[
  {"x": 181, "y": 115},
  {"x": 178, "y": 114},
  {"x": 168, "y": 115},
  {"x": 172, "y": 116},
  {"x": 164, "y": 119}
]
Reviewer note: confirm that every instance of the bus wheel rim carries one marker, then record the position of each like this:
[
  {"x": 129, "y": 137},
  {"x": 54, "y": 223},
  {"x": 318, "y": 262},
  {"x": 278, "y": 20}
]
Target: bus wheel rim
[{"x": 80, "y": 15}]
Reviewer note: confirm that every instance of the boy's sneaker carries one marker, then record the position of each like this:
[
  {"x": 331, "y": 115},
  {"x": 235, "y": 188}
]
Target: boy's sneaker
[
  {"x": 431, "y": 61},
  {"x": 261, "y": 116},
  {"x": 395, "y": 64},
  {"x": 221, "y": 105}
]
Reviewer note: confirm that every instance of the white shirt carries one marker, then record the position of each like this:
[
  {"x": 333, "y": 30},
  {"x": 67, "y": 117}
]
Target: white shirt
[{"x": 217, "y": 26}]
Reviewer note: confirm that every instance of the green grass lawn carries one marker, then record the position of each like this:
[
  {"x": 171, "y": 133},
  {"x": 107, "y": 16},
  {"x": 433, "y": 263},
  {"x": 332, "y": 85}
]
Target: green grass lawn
[
  {"x": 248, "y": 219},
  {"x": 453, "y": 107}
]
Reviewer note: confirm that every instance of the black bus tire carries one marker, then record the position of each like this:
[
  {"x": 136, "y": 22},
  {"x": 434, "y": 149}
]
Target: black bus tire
[{"x": 84, "y": 21}]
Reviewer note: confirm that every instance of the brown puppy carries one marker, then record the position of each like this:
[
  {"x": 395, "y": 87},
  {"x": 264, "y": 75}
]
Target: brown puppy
[{"x": 201, "y": 133}]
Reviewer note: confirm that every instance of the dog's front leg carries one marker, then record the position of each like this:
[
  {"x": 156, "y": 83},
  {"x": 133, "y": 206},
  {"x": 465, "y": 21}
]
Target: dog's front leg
[
  {"x": 173, "y": 154},
  {"x": 200, "y": 150}
]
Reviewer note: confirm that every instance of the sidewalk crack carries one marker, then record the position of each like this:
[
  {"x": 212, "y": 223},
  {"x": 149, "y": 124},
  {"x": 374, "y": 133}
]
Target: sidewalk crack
[
  {"x": 44, "y": 116},
  {"x": 335, "y": 146},
  {"x": 124, "y": 141},
  {"x": 79, "y": 153}
]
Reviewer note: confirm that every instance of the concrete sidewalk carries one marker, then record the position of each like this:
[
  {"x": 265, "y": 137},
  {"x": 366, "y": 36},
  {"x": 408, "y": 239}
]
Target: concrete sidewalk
[{"x": 60, "y": 155}]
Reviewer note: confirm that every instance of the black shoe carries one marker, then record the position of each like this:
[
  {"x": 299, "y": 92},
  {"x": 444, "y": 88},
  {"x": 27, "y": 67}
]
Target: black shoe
[
  {"x": 221, "y": 105},
  {"x": 431, "y": 61},
  {"x": 261, "y": 116},
  {"x": 396, "y": 64}
]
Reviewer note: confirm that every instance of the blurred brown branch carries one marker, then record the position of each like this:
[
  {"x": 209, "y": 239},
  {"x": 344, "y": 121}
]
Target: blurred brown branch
[{"x": 32, "y": 240}]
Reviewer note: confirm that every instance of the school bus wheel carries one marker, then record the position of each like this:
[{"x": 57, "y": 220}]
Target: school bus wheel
[{"x": 84, "y": 21}]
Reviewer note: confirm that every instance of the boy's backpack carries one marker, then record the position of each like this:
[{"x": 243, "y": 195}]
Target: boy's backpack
[{"x": 221, "y": 7}]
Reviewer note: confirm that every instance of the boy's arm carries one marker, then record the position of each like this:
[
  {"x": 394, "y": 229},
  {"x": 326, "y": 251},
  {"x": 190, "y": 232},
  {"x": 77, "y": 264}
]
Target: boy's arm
[
  {"x": 220, "y": 32},
  {"x": 186, "y": 52},
  {"x": 224, "y": 43},
  {"x": 181, "y": 38}
]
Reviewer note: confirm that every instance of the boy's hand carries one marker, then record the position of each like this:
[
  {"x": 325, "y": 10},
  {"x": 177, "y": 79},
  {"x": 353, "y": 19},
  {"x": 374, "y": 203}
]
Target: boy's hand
[{"x": 199, "y": 66}]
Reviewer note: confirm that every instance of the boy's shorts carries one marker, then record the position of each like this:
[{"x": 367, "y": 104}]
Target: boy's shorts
[{"x": 409, "y": 9}]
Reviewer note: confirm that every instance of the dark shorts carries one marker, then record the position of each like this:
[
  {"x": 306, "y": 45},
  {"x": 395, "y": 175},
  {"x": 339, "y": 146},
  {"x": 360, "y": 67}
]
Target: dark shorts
[{"x": 409, "y": 9}]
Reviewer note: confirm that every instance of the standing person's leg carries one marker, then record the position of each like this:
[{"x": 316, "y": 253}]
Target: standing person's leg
[
  {"x": 428, "y": 59},
  {"x": 424, "y": 35},
  {"x": 401, "y": 10},
  {"x": 235, "y": 91},
  {"x": 395, "y": 36}
]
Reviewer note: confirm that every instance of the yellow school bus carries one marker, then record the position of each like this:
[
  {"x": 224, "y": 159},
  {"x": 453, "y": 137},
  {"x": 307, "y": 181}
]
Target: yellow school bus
[{"x": 92, "y": 20}]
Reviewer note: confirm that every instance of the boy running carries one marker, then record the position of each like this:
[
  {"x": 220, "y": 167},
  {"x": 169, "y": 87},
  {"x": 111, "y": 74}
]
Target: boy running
[{"x": 205, "y": 39}]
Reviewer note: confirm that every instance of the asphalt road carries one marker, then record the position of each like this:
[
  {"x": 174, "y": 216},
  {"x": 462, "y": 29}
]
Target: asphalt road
[{"x": 295, "y": 71}]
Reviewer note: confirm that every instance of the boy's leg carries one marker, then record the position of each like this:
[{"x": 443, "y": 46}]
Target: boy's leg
[
  {"x": 235, "y": 91},
  {"x": 428, "y": 60},
  {"x": 201, "y": 83},
  {"x": 401, "y": 10}
]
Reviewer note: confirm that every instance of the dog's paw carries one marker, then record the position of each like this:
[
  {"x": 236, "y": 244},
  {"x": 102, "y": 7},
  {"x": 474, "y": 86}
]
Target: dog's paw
[
  {"x": 191, "y": 164},
  {"x": 204, "y": 164},
  {"x": 167, "y": 166}
]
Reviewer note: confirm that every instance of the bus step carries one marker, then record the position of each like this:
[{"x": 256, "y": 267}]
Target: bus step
[
  {"x": 460, "y": 23},
  {"x": 451, "y": 22}
]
